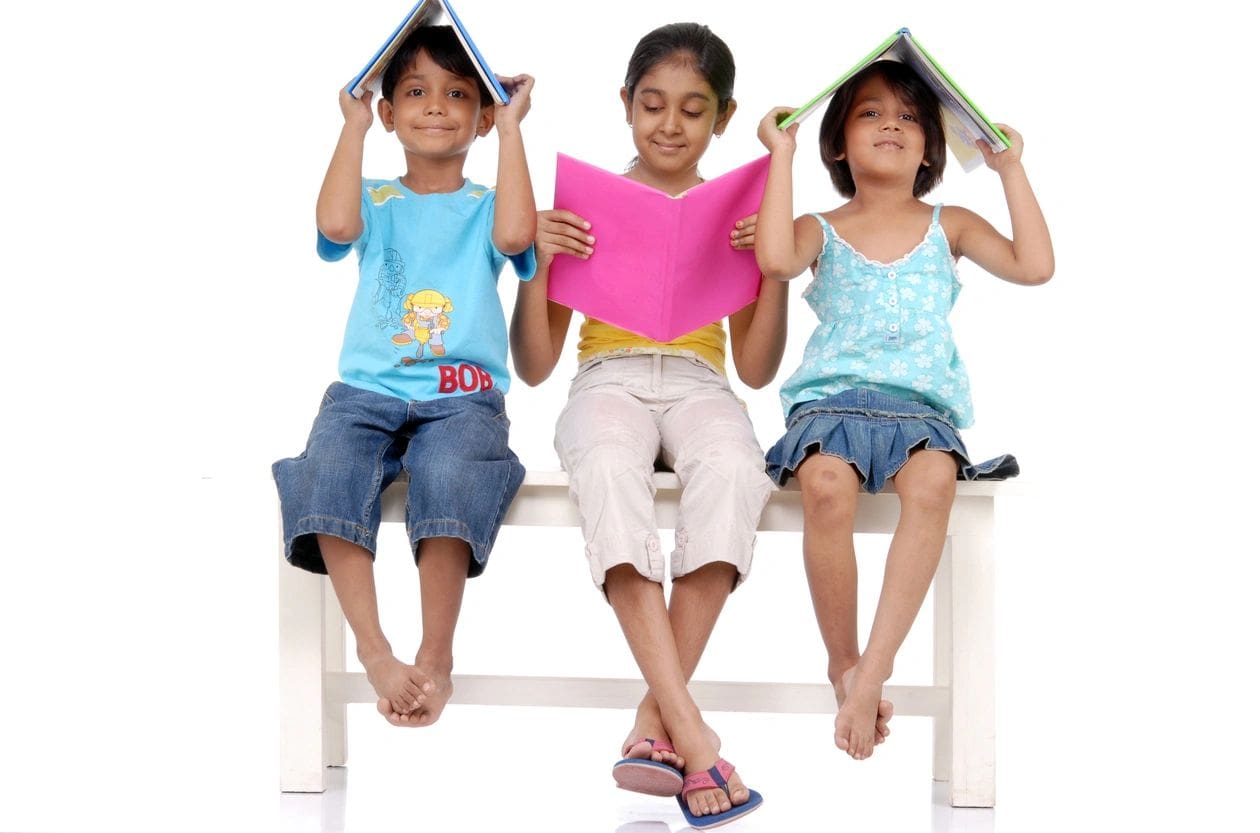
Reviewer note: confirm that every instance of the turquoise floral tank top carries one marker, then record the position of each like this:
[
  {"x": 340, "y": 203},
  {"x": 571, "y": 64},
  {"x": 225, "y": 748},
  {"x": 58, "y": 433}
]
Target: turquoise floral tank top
[{"x": 884, "y": 326}]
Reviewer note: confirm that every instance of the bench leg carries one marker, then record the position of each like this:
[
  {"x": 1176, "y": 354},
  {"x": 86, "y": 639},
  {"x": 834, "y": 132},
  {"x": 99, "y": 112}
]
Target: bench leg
[
  {"x": 973, "y": 758},
  {"x": 301, "y": 680},
  {"x": 942, "y": 662},
  {"x": 334, "y": 660}
]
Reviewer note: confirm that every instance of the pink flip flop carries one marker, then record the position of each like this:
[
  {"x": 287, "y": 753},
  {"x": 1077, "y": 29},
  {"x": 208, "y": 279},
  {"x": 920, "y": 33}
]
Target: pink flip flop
[
  {"x": 643, "y": 775},
  {"x": 715, "y": 778}
]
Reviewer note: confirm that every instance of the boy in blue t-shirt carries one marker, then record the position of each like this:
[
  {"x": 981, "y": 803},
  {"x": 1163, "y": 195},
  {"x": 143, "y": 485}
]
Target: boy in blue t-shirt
[{"x": 423, "y": 363}]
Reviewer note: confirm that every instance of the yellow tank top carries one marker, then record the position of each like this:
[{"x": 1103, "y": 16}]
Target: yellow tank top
[{"x": 597, "y": 339}]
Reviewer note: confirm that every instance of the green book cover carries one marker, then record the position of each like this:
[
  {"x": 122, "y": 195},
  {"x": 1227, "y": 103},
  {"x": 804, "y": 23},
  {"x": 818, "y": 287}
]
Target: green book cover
[{"x": 964, "y": 122}]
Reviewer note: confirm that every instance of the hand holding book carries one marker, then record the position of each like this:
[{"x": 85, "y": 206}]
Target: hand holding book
[{"x": 666, "y": 265}]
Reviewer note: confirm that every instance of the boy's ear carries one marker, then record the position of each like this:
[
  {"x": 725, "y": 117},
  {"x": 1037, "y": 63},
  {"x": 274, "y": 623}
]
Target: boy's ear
[
  {"x": 725, "y": 118},
  {"x": 625, "y": 100},
  {"x": 485, "y": 120},
  {"x": 386, "y": 111}
]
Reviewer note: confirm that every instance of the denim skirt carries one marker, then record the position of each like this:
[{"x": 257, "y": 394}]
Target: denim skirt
[{"x": 874, "y": 432}]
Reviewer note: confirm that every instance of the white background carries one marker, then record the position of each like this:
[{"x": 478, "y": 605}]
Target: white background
[{"x": 167, "y": 330}]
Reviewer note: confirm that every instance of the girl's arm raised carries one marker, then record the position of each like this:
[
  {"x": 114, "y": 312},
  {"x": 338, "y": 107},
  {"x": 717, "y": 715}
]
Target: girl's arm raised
[
  {"x": 539, "y": 326},
  {"x": 338, "y": 208},
  {"x": 1028, "y": 258},
  {"x": 784, "y": 248}
]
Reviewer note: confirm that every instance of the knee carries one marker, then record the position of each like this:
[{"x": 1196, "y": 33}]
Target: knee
[
  {"x": 829, "y": 497},
  {"x": 931, "y": 490}
]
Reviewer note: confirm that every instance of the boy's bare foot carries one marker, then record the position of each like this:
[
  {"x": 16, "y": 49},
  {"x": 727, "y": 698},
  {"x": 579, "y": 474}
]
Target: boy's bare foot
[
  {"x": 399, "y": 686},
  {"x": 438, "y": 689},
  {"x": 883, "y": 713},
  {"x": 859, "y": 713}
]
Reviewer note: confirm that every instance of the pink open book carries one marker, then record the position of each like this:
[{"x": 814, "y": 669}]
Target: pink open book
[{"x": 663, "y": 266}]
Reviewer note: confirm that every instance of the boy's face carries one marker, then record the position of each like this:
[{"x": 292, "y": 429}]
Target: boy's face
[{"x": 435, "y": 113}]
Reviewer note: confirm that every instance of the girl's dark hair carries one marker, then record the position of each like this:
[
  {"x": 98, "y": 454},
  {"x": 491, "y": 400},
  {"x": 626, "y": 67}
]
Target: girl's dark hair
[
  {"x": 912, "y": 90},
  {"x": 706, "y": 51},
  {"x": 445, "y": 50}
]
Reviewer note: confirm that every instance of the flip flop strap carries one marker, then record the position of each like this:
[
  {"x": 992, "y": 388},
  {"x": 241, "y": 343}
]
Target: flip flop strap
[
  {"x": 657, "y": 746},
  {"x": 715, "y": 777}
]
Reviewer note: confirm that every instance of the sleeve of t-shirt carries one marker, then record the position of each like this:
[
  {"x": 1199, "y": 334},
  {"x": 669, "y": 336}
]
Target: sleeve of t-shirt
[
  {"x": 330, "y": 251},
  {"x": 525, "y": 264}
]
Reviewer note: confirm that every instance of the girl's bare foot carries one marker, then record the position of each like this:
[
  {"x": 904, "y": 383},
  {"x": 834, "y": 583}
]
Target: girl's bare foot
[
  {"x": 856, "y": 721},
  {"x": 883, "y": 713},
  {"x": 399, "y": 686}
]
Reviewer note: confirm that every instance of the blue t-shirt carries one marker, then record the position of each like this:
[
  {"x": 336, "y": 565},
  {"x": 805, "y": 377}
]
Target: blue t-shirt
[{"x": 426, "y": 320}]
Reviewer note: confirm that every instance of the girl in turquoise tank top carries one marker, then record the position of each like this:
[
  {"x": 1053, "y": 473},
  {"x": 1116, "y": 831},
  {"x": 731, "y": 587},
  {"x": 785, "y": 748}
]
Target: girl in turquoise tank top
[{"x": 881, "y": 390}]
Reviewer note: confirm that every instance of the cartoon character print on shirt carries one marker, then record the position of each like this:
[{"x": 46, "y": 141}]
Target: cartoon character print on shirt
[
  {"x": 424, "y": 320},
  {"x": 391, "y": 286}
]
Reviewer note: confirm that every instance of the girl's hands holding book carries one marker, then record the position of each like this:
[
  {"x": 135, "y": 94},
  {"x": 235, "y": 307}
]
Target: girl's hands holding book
[
  {"x": 1007, "y": 158},
  {"x": 774, "y": 138},
  {"x": 562, "y": 232},
  {"x": 745, "y": 231}
]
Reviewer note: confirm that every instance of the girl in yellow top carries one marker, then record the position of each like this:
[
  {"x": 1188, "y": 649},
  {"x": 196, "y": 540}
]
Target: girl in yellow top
[{"x": 635, "y": 401}]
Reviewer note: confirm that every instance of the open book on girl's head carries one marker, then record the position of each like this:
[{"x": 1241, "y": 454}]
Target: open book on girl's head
[{"x": 964, "y": 123}]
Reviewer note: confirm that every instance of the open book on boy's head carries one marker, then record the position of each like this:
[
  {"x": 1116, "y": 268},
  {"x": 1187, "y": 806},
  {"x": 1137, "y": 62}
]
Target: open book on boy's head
[
  {"x": 964, "y": 123},
  {"x": 424, "y": 13},
  {"x": 662, "y": 266}
]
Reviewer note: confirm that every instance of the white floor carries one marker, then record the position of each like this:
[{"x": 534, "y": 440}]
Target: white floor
[{"x": 492, "y": 769}]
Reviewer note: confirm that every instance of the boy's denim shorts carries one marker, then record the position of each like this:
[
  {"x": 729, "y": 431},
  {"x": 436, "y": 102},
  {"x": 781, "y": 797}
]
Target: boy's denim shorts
[
  {"x": 875, "y": 433},
  {"x": 462, "y": 475}
]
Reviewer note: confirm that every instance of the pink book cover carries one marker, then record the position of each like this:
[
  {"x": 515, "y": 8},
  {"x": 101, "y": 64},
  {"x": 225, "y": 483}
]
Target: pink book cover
[{"x": 663, "y": 266}]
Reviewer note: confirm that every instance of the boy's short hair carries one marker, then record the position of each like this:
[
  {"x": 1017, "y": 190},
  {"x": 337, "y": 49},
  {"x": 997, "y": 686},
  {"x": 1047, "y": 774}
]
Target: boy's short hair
[
  {"x": 912, "y": 90},
  {"x": 446, "y": 51}
]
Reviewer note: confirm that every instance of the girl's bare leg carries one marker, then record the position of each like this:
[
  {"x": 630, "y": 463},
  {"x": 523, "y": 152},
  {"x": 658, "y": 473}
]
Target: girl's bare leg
[
  {"x": 926, "y": 485},
  {"x": 829, "y": 491},
  {"x": 640, "y": 607},
  {"x": 695, "y": 602}
]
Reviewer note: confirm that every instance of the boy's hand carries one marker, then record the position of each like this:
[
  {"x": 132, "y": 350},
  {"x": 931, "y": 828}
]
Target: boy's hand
[
  {"x": 745, "y": 231},
  {"x": 562, "y": 232},
  {"x": 1006, "y": 158},
  {"x": 772, "y": 137},
  {"x": 356, "y": 111},
  {"x": 518, "y": 89}
]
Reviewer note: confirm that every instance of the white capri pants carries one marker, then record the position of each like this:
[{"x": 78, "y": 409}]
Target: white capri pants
[{"x": 626, "y": 412}]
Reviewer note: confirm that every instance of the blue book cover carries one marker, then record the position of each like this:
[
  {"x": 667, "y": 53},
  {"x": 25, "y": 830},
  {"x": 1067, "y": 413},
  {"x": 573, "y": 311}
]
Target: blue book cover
[{"x": 424, "y": 13}]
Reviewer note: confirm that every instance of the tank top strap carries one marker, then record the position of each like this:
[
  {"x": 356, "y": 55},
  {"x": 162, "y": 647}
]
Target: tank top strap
[
  {"x": 936, "y": 214},
  {"x": 829, "y": 233}
]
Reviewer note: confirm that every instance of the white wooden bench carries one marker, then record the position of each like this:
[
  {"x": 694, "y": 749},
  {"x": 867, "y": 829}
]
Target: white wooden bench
[{"x": 315, "y": 685}]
